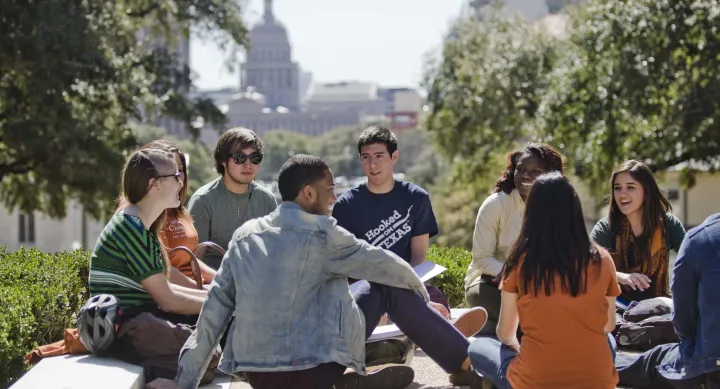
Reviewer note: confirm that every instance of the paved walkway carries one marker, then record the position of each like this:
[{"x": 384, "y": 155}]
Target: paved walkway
[{"x": 428, "y": 375}]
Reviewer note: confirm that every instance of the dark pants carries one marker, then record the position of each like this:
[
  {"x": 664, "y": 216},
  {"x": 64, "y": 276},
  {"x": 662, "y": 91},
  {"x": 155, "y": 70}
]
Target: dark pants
[
  {"x": 159, "y": 313},
  {"x": 487, "y": 295},
  {"x": 639, "y": 371},
  {"x": 423, "y": 325}
]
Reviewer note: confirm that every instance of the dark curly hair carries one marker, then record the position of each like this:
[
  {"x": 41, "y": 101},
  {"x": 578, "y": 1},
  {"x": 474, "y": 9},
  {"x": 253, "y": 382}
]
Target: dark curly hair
[{"x": 552, "y": 159}]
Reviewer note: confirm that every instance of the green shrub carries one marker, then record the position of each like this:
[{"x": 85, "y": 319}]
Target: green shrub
[
  {"x": 40, "y": 294},
  {"x": 451, "y": 282}
]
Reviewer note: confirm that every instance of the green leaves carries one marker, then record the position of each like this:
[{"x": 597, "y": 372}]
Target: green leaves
[
  {"x": 486, "y": 89},
  {"x": 40, "y": 294},
  {"x": 75, "y": 74},
  {"x": 629, "y": 79},
  {"x": 638, "y": 81}
]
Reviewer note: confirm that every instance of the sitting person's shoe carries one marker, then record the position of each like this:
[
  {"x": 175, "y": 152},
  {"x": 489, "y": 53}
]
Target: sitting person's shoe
[
  {"x": 379, "y": 377},
  {"x": 467, "y": 378},
  {"x": 471, "y": 321},
  {"x": 486, "y": 384},
  {"x": 382, "y": 352}
]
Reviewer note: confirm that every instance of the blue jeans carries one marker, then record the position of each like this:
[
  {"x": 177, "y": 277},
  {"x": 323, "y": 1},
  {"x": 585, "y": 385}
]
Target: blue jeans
[
  {"x": 493, "y": 365},
  {"x": 639, "y": 371}
]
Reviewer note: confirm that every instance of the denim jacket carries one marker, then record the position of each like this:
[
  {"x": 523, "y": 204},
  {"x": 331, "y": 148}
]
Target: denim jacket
[
  {"x": 285, "y": 278},
  {"x": 695, "y": 295}
]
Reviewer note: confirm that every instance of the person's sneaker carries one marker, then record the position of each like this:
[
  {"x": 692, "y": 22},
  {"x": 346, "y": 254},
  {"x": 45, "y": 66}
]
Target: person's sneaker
[
  {"x": 400, "y": 351},
  {"x": 471, "y": 321},
  {"x": 379, "y": 377},
  {"x": 467, "y": 378},
  {"x": 486, "y": 384}
]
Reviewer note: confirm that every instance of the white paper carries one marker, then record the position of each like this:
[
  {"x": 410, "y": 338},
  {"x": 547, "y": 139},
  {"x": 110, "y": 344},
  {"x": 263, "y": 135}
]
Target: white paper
[
  {"x": 428, "y": 270},
  {"x": 391, "y": 331},
  {"x": 425, "y": 271}
]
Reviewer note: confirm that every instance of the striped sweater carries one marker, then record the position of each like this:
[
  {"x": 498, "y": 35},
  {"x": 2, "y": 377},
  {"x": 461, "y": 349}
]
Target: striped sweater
[{"x": 125, "y": 254}]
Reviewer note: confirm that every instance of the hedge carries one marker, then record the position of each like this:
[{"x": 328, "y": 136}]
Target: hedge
[
  {"x": 40, "y": 294},
  {"x": 451, "y": 282}
]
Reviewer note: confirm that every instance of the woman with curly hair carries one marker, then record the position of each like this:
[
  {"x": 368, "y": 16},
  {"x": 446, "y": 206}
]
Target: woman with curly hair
[
  {"x": 639, "y": 232},
  {"x": 561, "y": 289},
  {"x": 499, "y": 221}
]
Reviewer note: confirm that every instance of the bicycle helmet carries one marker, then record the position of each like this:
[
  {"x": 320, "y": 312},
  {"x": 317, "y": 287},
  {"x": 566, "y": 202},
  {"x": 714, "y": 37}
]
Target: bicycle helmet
[{"x": 96, "y": 322}]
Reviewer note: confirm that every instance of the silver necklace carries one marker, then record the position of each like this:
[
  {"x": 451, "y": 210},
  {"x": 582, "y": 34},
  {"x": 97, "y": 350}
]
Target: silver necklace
[{"x": 246, "y": 202}]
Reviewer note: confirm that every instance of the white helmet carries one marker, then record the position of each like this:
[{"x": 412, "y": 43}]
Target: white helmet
[{"x": 96, "y": 322}]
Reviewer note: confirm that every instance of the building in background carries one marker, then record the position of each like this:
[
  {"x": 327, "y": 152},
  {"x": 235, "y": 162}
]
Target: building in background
[
  {"x": 180, "y": 50},
  {"x": 269, "y": 68},
  {"x": 274, "y": 94}
]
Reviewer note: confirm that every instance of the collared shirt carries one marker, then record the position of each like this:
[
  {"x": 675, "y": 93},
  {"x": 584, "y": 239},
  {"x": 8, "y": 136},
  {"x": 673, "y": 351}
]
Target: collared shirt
[{"x": 285, "y": 277}]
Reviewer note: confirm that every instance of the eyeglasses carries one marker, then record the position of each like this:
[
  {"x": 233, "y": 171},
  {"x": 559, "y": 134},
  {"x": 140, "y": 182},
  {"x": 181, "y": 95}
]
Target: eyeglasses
[
  {"x": 255, "y": 158},
  {"x": 176, "y": 175}
]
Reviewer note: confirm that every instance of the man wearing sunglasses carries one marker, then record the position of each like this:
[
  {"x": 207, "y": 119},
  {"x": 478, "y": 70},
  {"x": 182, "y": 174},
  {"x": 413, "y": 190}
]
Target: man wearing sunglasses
[{"x": 223, "y": 205}]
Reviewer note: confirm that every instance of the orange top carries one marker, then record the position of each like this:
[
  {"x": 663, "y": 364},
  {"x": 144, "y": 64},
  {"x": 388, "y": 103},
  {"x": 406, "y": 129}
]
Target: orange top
[
  {"x": 180, "y": 232},
  {"x": 564, "y": 344}
]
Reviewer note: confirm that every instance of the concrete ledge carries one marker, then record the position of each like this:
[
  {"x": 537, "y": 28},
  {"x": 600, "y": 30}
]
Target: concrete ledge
[
  {"x": 93, "y": 372},
  {"x": 82, "y": 372}
]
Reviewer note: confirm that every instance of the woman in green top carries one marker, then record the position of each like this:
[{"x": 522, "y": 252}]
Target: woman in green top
[
  {"x": 639, "y": 232},
  {"x": 128, "y": 260}
]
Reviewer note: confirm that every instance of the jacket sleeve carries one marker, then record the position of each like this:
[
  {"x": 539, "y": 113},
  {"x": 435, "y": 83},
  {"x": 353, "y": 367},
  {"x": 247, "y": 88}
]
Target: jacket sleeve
[
  {"x": 351, "y": 257},
  {"x": 685, "y": 288},
  {"x": 214, "y": 318},
  {"x": 485, "y": 237}
]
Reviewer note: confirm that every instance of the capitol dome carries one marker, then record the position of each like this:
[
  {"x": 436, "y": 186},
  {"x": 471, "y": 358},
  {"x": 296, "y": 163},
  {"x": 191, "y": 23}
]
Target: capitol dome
[{"x": 269, "y": 33}]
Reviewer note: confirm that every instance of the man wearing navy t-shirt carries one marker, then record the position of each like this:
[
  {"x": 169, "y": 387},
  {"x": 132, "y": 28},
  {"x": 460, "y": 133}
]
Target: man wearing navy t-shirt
[
  {"x": 388, "y": 213},
  {"x": 397, "y": 216}
]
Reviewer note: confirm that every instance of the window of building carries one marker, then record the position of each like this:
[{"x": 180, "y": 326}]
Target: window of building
[{"x": 26, "y": 228}]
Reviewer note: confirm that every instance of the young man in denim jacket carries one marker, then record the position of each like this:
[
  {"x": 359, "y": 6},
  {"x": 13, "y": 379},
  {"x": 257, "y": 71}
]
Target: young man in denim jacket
[
  {"x": 297, "y": 325},
  {"x": 695, "y": 361}
]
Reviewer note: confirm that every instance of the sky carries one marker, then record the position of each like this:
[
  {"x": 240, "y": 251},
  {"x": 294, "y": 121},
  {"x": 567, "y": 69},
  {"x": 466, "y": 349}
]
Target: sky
[{"x": 383, "y": 41}]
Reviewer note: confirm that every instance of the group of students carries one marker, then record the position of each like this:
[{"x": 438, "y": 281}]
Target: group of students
[{"x": 279, "y": 301}]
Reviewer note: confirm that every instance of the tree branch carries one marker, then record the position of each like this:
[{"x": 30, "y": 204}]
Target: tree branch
[
  {"x": 144, "y": 12},
  {"x": 18, "y": 167}
]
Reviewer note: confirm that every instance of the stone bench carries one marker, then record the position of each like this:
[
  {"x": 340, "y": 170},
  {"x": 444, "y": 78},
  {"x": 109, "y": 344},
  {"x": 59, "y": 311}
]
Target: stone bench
[
  {"x": 92, "y": 372},
  {"x": 86, "y": 371}
]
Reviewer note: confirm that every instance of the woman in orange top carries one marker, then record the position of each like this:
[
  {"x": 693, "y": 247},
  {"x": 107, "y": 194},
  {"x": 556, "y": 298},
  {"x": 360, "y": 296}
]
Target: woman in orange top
[
  {"x": 561, "y": 290},
  {"x": 179, "y": 229}
]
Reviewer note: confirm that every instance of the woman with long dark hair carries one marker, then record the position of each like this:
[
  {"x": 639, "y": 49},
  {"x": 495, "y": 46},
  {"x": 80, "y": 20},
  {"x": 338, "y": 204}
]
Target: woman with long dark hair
[
  {"x": 561, "y": 290},
  {"x": 498, "y": 224},
  {"x": 639, "y": 232}
]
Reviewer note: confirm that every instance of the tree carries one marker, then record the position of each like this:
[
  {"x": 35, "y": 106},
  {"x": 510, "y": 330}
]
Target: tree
[
  {"x": 279, "y": 146},
  {"x": 485, "y": 90},
  {"x": 456, "y": 204},
  {"x": 74, "y": 77},
  {"x": 639, "y": 80},
  {"x": 338, "y": 147}
]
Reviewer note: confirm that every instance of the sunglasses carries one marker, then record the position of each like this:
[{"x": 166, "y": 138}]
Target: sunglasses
[
  {"x": 176, "y": 175},
  {"x": 240, "y": 158}
]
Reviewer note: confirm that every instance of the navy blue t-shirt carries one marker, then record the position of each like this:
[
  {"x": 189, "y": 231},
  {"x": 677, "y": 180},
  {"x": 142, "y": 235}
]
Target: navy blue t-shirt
[{"x": 388, "y": 220}]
